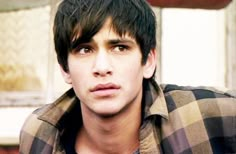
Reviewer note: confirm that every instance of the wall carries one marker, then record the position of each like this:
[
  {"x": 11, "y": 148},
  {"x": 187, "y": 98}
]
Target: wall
[
  {"x": 231, "y": 45},
  {"x": 193, "y": 47}
]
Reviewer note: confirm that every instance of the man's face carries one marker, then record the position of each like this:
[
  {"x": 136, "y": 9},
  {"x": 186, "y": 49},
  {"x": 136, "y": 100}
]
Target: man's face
[{"x": 106, "y": 73}]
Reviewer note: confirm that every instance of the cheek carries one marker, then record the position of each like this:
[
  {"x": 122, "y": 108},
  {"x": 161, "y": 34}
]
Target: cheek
[
  {"x": 78, "y": 73},
  {"x": 132, "y": 70},
  {"x": 80, "y": 82}
]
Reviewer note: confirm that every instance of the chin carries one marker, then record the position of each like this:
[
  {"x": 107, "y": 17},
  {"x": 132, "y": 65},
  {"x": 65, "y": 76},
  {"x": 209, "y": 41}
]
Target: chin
[
  {"x": 108, "y": 112},
  {"x": 107, "y": 115}
]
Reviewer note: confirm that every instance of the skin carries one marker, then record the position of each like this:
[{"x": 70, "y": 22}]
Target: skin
[{"x": 106, "y": 74}]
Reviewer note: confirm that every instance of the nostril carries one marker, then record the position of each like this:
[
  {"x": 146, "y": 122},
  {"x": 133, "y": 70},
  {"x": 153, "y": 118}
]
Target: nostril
[
  {"x": 109, "y": 72},
  {"x": 102, "y": 73},
  {"x": 96, "y": 73}
]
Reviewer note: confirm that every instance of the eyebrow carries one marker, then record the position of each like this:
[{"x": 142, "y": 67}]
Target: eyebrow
[
  {"x": 75, "y": 43},
  {"x": 118, "y": 41},
  {"x": 80, "y": 41}
]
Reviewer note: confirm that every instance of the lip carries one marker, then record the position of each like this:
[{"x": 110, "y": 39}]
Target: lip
[{"x": 105, "y": 90}]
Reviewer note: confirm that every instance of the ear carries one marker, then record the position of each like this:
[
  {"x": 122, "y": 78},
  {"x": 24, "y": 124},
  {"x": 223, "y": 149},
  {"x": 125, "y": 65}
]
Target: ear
[
  {"x": 150, "y": 65},
  {"x": 66, "y": 75}
]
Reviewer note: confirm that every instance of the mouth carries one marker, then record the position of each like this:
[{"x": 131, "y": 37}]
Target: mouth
[{"x": 105, "y": 90}]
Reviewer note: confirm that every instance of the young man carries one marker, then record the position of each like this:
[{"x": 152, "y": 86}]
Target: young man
[{"x": 106, "y": 50}]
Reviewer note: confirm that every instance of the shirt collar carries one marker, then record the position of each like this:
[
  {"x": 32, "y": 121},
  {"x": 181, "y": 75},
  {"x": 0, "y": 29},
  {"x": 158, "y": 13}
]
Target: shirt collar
[
  {"x": 155, "y": 103},
  {"x": 56, "y": 112}
]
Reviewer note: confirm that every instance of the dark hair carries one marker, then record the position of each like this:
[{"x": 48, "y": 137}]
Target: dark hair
[{"x": 86, "y": 17}]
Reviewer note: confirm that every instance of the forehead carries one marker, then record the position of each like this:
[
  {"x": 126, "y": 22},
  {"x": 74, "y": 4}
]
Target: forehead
[
  {"x": 108, "y": 31},
  {"x": 106, "y": 34}
]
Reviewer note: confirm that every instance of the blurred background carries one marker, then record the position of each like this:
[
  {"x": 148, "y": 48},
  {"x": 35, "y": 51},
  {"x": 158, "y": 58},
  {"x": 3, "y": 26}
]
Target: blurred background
[{"x": 196, "y": 46}]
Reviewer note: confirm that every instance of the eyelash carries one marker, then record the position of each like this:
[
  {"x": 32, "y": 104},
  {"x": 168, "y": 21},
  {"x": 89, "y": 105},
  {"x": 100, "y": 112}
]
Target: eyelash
[
  {"x": 88, "y": 49},
  {"x": 121, "y": 48}
]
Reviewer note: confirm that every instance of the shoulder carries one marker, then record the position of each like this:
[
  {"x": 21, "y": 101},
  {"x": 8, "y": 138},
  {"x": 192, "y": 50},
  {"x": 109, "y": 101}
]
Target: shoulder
[
  {"x": 202, "y": 97},
  {"x": 37, "y": 135},
  {"x": 202, "y": 91},
  {"x": 43, "y": 128},
  {"x": 201, "y": 111},
  {"x": 197, "y": 93}
]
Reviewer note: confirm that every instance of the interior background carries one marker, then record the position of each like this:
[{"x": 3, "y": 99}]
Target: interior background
[{"x": 195, "y": 47}]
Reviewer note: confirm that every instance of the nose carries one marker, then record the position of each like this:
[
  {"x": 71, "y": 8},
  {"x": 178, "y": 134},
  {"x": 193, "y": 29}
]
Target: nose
[{"x": 102, "y": 65}]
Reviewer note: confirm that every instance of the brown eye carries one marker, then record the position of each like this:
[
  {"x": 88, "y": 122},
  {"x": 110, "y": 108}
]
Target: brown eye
[
  {"x": 83, "y": 50},
  {"x": 120, "y": 48}
]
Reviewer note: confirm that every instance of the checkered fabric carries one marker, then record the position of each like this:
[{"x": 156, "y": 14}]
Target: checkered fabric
[{"x": 176, "y": 120}]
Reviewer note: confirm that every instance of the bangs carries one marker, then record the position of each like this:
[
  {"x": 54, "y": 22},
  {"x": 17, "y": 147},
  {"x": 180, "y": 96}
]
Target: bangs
[{"x": 126, "y": 21}]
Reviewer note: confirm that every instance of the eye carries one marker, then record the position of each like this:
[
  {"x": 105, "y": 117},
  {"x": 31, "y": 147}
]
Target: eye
[
  {"x": 83, "y": 50},
  {"x": 120, "y": 48}
]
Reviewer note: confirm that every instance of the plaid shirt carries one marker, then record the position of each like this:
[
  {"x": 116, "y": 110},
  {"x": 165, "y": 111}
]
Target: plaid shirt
[{"x": 175, "y": 120}]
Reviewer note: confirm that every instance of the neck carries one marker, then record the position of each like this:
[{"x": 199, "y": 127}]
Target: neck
[{"x": 114, "y": 134}]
